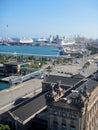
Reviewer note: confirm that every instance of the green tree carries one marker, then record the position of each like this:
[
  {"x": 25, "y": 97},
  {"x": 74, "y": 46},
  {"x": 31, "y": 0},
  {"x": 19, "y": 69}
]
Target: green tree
[
  {"x": 87, "y": 64},
  {"x": 4, "y": 127},
  {"x": 49, "y": 69}
]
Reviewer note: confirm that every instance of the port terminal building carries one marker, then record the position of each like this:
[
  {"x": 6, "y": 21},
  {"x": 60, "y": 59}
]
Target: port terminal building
[{"x": 15, "y": 67}]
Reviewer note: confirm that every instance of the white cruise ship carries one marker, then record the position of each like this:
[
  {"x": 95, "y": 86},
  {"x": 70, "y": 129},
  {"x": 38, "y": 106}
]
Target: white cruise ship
[
  {"x": 26, "y": 40},
  {"x": 64, "y": 42},
  {"x": 42, "y": 40}
]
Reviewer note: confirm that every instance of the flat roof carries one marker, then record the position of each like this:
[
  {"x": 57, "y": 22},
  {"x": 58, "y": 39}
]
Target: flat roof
[{"x": 16, "y": 63}]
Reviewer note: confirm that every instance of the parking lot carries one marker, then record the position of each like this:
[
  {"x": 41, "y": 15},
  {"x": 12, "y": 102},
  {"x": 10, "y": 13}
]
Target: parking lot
[{"x": 73, "y": 68}]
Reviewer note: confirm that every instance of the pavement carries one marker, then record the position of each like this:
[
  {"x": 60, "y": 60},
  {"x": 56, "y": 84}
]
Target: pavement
[
  {"x": 65, "y": 70},
  {"x": 23, "y": 90},
  {"x": 75, "y": 67}
]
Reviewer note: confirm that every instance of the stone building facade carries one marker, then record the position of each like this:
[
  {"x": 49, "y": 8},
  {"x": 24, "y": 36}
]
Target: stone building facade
[{"x": 76, "y": 110}]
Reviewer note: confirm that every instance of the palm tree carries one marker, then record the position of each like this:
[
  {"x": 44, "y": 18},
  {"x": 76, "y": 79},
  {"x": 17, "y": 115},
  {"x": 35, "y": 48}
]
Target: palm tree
[
  {"x": 49, "y": 69},
  {"x": 87, "y": 64}
]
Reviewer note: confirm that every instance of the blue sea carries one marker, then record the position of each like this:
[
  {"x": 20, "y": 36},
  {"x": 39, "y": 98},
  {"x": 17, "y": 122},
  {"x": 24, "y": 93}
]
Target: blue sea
[
  {"x": 42, "y": 50},
  {"x": 3, "y": 85}
]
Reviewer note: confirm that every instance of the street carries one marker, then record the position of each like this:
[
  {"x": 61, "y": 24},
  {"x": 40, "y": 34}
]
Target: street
[{"x": 25, "y": 89}]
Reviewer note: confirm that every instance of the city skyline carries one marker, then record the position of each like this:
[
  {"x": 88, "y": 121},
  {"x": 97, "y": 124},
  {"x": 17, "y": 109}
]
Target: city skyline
[{"x": 42, "y": 18}]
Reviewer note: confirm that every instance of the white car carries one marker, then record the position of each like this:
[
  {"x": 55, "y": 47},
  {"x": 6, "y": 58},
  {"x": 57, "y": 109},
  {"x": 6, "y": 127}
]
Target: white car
[{"x": 42, "y": 77}]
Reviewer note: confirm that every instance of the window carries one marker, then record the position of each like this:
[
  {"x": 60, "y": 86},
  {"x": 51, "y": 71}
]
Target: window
[
  {"x": 72, "y": 127},
  {"x": 55, "y": 113},
  {"x": 63, "y": 126},
  {"x": 55, "y": 125}
]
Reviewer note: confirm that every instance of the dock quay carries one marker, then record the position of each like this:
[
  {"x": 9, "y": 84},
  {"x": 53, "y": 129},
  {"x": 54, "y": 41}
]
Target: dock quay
[
  {"x": 7, "y": 79},
  {"x": 20, "y": 78}
]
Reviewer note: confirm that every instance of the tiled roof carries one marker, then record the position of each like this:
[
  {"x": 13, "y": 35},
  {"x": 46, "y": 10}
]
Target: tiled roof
[
  {"x": 69, "y": 81},
  {"x": 78, "y": 76},
  {"x": 80, "y": 94},
  {"x": 29, "y": 108},
  {"x": 90, "y": 86}
]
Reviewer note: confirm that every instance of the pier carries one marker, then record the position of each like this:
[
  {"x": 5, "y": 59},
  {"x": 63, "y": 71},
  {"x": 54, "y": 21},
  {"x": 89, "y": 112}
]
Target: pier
[
  {"x": 19, "y": 79},
  {"x": 7, "y": 79}
]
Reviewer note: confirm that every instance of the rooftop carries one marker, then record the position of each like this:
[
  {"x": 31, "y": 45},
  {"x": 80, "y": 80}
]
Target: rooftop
[
  {"x": 16, "y": 63},
  {"x": 66, "y": 81},
  {"x": 79, "y": 95},
  {"x": 29, "y": 108}
]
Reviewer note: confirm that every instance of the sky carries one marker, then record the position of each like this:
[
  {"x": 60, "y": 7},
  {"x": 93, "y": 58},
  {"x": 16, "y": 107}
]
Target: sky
[{"x": 41, "y": 18}]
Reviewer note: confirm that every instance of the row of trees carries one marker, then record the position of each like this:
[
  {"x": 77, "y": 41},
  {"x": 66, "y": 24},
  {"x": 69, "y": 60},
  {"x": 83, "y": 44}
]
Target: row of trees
[{"x": 35, "y": 62}]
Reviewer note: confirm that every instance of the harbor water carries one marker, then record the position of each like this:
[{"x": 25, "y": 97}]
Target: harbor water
[
  {"x": 42, "y": 50},
  {"x": 3, "y": 85}
]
